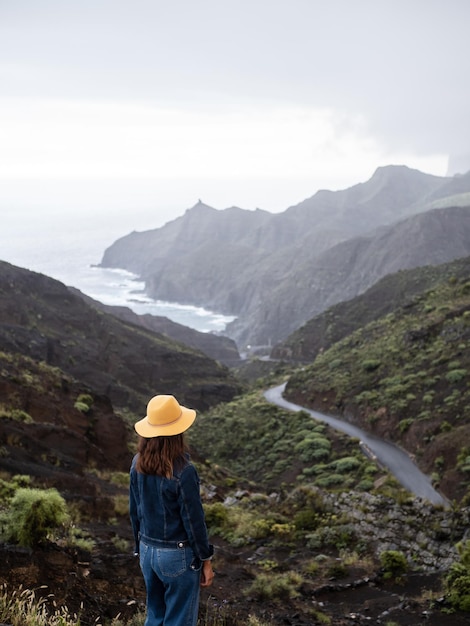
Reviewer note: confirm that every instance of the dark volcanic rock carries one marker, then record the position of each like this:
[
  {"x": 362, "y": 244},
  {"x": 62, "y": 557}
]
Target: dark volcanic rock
[
  {"x": 216, "y": 347},
  {"x": 41, "y": 318},
  {"x": 44, "y": 434}
]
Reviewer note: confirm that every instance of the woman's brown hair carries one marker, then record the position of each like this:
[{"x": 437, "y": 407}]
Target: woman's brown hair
[{"x": 161, "y": 455}]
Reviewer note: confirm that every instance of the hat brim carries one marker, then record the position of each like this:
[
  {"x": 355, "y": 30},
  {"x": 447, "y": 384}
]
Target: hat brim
[{"x": 145, "y": 429}]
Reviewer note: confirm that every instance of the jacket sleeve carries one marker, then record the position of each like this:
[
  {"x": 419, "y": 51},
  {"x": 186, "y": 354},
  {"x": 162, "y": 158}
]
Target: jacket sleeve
[
  {"x": 192, "y": 513},
  {"x": 134, "y": 506}
]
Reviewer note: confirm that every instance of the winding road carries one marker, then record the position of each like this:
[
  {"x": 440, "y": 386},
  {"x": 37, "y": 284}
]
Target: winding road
[{"x": 396, "y": 460}]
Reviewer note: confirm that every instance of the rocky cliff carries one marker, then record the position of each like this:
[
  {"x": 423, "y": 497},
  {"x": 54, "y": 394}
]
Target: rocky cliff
[
  {"x": 349, "y": 268},
  {"x": 275, "y": 271}
]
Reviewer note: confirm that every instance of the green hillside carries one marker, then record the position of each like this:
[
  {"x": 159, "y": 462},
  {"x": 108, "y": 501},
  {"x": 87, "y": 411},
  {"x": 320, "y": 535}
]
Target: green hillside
[
  {"x": 271, "y": 446},
  {"x": 405, "y": 376}
]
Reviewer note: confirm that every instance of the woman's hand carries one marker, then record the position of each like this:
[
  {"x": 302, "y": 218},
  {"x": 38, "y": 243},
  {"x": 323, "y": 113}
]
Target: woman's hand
[{"x": 207, "y": 574}]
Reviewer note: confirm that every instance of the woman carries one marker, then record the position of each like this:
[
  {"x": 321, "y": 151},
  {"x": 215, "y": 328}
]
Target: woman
[{"x": 167, "y": 516}]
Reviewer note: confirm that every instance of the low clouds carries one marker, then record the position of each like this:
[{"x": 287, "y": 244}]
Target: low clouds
[{"x": 305, "y": 92}]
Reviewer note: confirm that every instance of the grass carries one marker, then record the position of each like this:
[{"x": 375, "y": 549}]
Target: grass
[{"x": 25, "y": 608}]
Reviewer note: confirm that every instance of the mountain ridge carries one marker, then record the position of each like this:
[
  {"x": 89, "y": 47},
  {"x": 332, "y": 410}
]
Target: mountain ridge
[
  {"x": 251, "y": 263},
  {"x": 393, "y": 291},
  {"x": 351, "y": 267}
]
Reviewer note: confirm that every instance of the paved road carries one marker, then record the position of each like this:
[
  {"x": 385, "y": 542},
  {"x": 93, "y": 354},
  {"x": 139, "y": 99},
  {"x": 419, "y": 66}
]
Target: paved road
[{"x": 387, "y": 454}]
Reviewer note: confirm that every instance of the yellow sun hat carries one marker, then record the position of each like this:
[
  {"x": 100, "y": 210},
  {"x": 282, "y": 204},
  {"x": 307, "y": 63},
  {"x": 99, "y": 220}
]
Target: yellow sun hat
[{"x": 165, "y": 417}]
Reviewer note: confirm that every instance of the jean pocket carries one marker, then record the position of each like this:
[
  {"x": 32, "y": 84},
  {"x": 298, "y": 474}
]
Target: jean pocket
[{"x": 172, "y": 563}]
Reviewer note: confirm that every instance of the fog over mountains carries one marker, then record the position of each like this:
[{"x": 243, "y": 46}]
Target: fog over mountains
[{"x": 277, "y": 271}]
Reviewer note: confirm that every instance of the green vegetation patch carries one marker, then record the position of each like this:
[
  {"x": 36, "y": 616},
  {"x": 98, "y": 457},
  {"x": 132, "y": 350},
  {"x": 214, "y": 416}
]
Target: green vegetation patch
[
  {"x": 266, "y": 444},
  {"x": 457, "y": 581},
  {"x": 33, "y": 514},
  {"x": 406, "y": 373},
  {"x": 406, "y": 362}
]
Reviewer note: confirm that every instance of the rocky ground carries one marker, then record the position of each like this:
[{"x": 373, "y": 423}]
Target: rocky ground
[{"x": 106, "y": 582}]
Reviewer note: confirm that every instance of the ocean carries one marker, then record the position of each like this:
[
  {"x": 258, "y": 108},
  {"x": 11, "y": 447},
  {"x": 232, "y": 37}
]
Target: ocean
[{"x": 68, "y": 247}]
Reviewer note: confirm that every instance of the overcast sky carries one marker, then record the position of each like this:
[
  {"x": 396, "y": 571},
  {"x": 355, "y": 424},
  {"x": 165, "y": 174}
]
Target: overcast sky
[{"x": 138, "y": 104}]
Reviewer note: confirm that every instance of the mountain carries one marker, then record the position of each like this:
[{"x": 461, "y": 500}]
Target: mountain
[
  {"x": 216, "y": 347},
  {"x": 42, "y": 319},
  {"x": 454, "y": 188},
  {"x": 351, "y": 267},
  {"x": 394, "y": 291},
  {"x": 258, "y": 265},
  {"x": 392, "y": 193},
  {"x": 404, "y": 375}
]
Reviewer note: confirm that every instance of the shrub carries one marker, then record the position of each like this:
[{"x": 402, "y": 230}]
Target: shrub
[
  {"x": 120, "y": 478},
  {"x": 320, "y": 618},
  {"x": 404, "y": 424},
  {"x": 8, "y": 488},
  {"x": 365, "y": 485},
  {"x": 80, "y": 539},
  {"x": 84, "y": 402},
  {"x": 339, "y": 537},
  {"x": 21, "y": 416},
  {"x": 463, "y": 460},
  {"x": 320, "y": 454},
  {"x": 86, "y": 398},
  {"x": 307, "y": 519},
  {"x": 121, "y": 505},
  {"x": 272, "y": 586},
  {"x": 457, "y": 581},
  {"x": 216, "y": 516},
  {"x": 370, "y": 365},
  {"x": 329, "y": 480},
  {"x": 33, "y": 515},
  {"x": 346, "y": 464},
  {"x": 335, "y": 363},
  {"x": 394, "y": 564},
  {"x": 455, "y": 376},
  {"x": 367, "y": 397},
  {"x": 310, "y": 568}
]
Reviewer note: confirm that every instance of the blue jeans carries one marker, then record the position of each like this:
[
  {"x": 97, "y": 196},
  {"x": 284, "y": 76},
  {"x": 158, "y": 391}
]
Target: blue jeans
[{"x": 172, "y": 577}]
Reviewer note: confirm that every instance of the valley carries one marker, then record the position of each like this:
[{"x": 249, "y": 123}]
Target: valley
[{"x": 362, "y": 301}]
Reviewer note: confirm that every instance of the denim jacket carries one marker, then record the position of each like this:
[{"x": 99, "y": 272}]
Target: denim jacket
[{"x": 168, "y": 509}]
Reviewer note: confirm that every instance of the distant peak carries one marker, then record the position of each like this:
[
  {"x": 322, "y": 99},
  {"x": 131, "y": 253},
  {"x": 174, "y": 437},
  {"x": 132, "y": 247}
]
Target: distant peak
[
  {"x": 200, "y": 206},
  {"x": 387, "y": 170}
]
